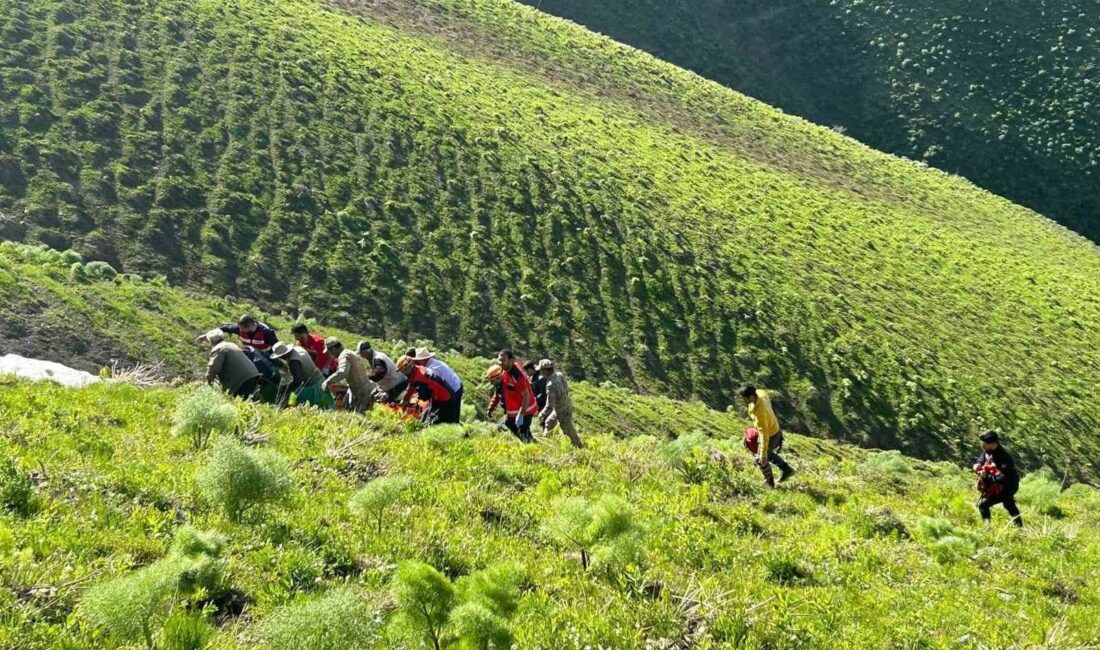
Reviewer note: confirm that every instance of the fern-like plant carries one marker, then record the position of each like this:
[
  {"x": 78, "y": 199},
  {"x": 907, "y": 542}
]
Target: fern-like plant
[
  {"x": 425, "y": 598},
  {"x": 202, "y": 413},
  {"x": 341, "y": 619},
  {"x": 379, "y": 494},
  {"x": 237, "y": 479},
  {"x": 603, "y": 530}
]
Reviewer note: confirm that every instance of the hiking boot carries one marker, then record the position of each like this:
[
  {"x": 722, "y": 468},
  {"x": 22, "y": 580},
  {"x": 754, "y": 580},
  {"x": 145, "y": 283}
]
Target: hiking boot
[{"x": 786, "y": 473}]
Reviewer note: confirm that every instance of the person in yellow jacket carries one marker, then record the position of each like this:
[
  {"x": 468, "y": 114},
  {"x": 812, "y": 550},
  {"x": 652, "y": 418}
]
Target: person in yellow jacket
[{"x": 759, "y": 406}]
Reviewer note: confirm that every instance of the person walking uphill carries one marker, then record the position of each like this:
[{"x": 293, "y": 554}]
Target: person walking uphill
[
  {"x": 518, "y": 398},
  {"x": 538, "y": 383},
  {"x": 228, "y": 364},
  {"x": 352, "y": 371},
  {"x": 770, "y": 435},
  {"x": 306, "y": 377},
  {"x": 558, "y": 410},
  {"x": 998, "y": 480}
]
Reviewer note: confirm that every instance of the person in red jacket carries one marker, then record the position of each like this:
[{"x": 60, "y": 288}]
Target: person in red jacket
[
  {"x": 428, "y": 386},
  {"x": 315, "y": 345},
  {"x": 520, "y": 405}
]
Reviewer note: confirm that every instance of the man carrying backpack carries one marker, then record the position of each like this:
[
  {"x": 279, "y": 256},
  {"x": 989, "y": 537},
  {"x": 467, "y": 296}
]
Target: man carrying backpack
[{"x": 998, "y": 480}]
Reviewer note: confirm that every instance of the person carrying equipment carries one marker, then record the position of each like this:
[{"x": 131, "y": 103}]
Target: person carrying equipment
[
  {"x": 306, "y": 377},
  {"x": 390, "y": 382},
  {"x": 518, "y": 398},
  {"x": 229, "y": 365},
  {"x": 769, "y": 435},
  {"x": 558, "y": 410},
  {"x": 315, "y": 346},
  {"x": 350, "y": 370},
  {"x": 431, "y": 390},
  {"x": 538, "y": 383},
  {"x": 252, "y": 333},
  {"x": 998, "y": 480},
  {"x": 422, "y": 357}
]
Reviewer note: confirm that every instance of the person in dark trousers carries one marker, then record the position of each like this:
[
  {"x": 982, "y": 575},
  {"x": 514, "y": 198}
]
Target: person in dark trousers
[
  {"x": 998, "y": 480},
  {"x": 230, "y": 367},
  {"x": 770, "y": 436},
  {"x": 252, "y": 333},
  {"x": 517, "y": 397},
  {"x": 538, "y": 383}
]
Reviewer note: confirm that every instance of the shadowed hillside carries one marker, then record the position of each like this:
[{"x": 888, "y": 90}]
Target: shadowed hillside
[{"x": 1003, "y": 93}]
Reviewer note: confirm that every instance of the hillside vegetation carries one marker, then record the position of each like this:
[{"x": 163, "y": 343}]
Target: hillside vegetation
[
  {"x": 1001, "y": 92},
  {"x": 480, "y": 174},
  {"x": 294, "y": 529}
]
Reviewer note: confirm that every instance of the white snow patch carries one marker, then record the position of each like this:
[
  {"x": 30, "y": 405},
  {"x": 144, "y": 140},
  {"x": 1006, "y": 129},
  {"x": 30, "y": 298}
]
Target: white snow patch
[{"x": 38, "y": 370}]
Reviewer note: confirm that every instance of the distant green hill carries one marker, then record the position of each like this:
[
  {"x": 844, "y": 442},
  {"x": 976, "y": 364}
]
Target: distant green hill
[
  {"x": 480, "y": 174},
  {"x": 1003, "y": 93}
]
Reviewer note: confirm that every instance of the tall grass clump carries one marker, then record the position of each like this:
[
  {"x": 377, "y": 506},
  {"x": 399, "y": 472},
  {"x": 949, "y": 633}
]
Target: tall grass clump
[
  {"x": 130, "y": 607},
  {"x": 603, "y": 531},
  {"x": 379, "y": 494},
  {"x": 946, "y": 542},
  {"x": 341, "y": 619},
  {"x": 16, "y": 489},
  {"x": 185, "y": 631},
  {"x": 202, "y": 413},
  {"x": 1042, "y": 491},
  {"x": 237, "y": 479}
]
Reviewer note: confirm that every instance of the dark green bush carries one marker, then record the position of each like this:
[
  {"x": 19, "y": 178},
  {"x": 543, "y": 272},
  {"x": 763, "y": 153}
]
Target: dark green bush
[{"x": 16, "y": 490}]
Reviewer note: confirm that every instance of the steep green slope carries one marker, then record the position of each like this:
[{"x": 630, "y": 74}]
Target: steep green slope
[
  {"x": 1003, "y": 93},
  {"x": 480, "y": 174},
  {"x": 861, "y": 550}
]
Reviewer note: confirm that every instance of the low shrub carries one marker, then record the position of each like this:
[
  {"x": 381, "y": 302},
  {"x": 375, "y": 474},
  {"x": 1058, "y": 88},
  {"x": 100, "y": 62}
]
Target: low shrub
[
  {"x": 946, "y": 542},
  {"x": 16, "y": 490},
  {"x": 786, "y": 571},
  {"x": 880, "y": 521},
  {"x": 379, "y": 494},
  {"x": 604, "y": 531},
  {"x": 100, "y": 270},
  {"x": 185, "y": 631},
  {"x": 425, "y": 598},
  {"x": 129, "y": 607},
  {"x": 341, "y": 619},
  {"x": 443, "y": 436},
  {"x": 479, "y": 628},
  {"x": 891, "y": 463},
  {"x": 236, "y": 478},
  {"x": 201, "y": 413},
  {"x": 1042, "y": 492}
]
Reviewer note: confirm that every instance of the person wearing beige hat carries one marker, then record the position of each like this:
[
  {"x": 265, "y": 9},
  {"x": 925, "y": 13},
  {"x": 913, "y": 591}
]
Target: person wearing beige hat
[
  {"x": 559, "y": 406},
  {"x": 305, "y": 376},
  {"x": 352, "y": 371},
  {"x": 424, "y": 357}
]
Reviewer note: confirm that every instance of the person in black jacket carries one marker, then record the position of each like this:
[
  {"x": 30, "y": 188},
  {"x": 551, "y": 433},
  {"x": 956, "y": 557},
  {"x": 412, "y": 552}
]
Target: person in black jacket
[
  {"x": 538, "y": 383},
  {"x": 998, "y": 480}
]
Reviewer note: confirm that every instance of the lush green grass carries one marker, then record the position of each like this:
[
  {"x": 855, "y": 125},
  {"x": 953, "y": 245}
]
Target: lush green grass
[
  {"x": 1002, "y": 93},
  {"x": 850, "y": 554},
  {"x": 483, "y": 175}
]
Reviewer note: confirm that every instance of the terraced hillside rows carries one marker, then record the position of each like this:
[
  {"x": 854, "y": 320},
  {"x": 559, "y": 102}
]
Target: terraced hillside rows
[
  {"x": 116, "y": 532},
  {"x": 480, "y": 174},
  {"x": 1003, "y": 93}
]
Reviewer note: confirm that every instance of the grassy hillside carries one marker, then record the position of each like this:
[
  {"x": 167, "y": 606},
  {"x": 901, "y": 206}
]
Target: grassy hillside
[
  {"x": 480, "y": 174},
  {"x": 861, "y": 550},
  {"x": 1003, "y": 93}
]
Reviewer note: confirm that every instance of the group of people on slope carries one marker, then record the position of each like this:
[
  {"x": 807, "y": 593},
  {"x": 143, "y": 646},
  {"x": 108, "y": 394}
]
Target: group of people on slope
[
  {"x": 321, "y": 372},
  {"x": 420, "y": 383},
  {"x": 998, "y": 479}
]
